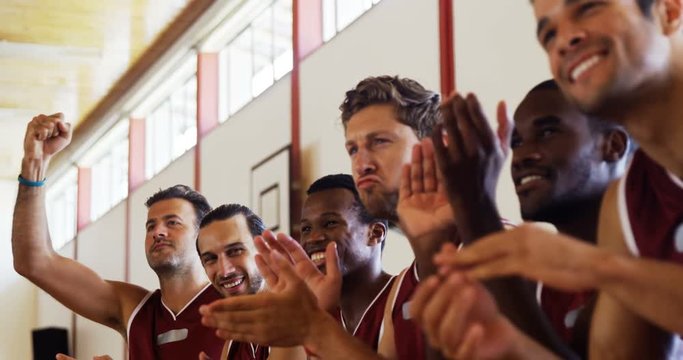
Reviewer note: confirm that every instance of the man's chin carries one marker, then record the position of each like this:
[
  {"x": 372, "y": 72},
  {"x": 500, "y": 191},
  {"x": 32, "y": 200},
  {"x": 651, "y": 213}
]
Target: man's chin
[{"x": 382, "y": 206}]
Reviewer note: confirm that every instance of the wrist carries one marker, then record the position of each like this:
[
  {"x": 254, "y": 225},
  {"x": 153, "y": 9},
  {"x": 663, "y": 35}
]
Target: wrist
[
  {"x": 322, "y": 326},
  {"x": 610, "y": 268},
  {"x": 34, "y": 169}
]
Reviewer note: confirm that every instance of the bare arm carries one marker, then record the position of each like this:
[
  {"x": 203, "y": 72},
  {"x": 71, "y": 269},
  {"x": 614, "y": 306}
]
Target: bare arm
[
  {"x": 632, "y": 289},
  {"x": 472, "y": 148},
  {"x": 71, "y": 283}
]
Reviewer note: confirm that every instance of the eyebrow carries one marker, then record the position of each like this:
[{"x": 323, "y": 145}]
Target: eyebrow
[
  {"x": 226, "y": 247},
  {"x": 165, "y": 217},
  {"x": 547, "y": 120},
  {"x": 543, "y": 22},
  {"x": 371, "y": 135}
]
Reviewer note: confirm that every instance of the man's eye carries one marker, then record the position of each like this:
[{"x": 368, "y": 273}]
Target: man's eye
[
  {"x": 235, "y": 252},
  {"x": 352, "y": 150},
  {"x": 547, "y": 132},
  {"x": 330, "y": 223},
  {"x": 305, "y": 229},
  {"x": 547, "y": 37}
]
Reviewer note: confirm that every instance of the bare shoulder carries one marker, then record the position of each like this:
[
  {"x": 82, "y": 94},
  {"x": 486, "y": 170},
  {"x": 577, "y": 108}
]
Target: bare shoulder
[{"x": 610, "y": 232}]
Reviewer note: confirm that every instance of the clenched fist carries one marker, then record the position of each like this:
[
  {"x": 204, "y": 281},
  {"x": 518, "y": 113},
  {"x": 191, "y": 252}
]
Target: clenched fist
[{"x": 45, "y": 137}]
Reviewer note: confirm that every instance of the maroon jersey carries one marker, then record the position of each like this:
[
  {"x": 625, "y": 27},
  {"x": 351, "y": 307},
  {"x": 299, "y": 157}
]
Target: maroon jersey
[
  {"x": 154, "y": 332},
  {"x": 371, "y": 324},
  {"x": 651, "y": 210},
  {"x": 567, "y": 314},
  {"x": 246, "y": 351},
  {"x": 408, "y": 338}
]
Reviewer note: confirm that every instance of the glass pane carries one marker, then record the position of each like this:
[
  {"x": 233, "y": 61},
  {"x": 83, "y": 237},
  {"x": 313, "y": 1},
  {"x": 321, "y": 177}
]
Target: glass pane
[
  {"x": 282, "y": 38},
  {"x": 240, "y": 72},
  {"x": 350, "y": 10},
  {"x": 329, "y": 19},
  {"x": 262, "y": 30}
]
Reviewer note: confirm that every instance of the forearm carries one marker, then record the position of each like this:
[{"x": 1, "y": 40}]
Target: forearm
[
  {"x": 425, "y": 247},
  {"x": 645, "y": 287},
  {"x": 516, "y": 300},
  {"x": 527, "y": 348},
  {"x": 30, "y": 236},
  {"x": 329, "y": 341},
  {"x": 287, "y": 353},
  {"x": 476, "y": 218}
]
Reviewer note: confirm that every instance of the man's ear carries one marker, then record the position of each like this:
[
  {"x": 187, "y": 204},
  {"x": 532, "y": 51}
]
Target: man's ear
[
  {"x": 614, "y": 145},
  {"x": 669, "y": 12},
  {"x": 377, "y": 233}
]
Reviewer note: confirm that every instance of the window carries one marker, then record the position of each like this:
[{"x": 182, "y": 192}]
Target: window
[
  {"x": 257, "y": 57},
  {"x": 109, "y": 170},
  {"x": 61, "y": 208},
  {"x": 171, "y": 128},
  {"x": 338, "y": 14}
]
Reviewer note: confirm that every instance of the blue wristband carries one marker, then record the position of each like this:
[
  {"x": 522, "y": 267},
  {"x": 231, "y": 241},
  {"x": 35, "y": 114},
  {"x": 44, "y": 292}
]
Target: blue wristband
[{"x": 30, "y": 183}]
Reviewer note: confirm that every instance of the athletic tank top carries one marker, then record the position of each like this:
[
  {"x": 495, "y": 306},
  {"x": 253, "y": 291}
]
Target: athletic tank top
[{"x": 154, "y": 332}]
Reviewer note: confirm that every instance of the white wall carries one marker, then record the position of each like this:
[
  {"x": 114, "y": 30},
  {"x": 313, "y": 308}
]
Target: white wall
[
  {"x": 497, "y": 58},
  {"x": 17, "y": 295},
  {"x": 101, "y": 247},
  {"x": 180, "y": 171},
  {"x": 397, "y": 37},
  {"x": 230, "y": 151}
]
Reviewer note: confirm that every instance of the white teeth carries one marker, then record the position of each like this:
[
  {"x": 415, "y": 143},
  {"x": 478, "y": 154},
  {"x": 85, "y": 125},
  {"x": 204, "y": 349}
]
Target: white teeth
[
  {"x": 583, "y": 66},
  {"x": 529, "y": 178},
  {"x": 233, "y": 283},
  {"x": 318, "y": 257}
]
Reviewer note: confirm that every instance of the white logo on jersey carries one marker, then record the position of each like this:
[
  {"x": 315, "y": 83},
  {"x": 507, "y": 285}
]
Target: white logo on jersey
[
  {"x": 678, "y": 238},
  {"x": 570, "y": 318}
]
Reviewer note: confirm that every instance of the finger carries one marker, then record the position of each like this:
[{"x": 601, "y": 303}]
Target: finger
[
  {"x": 469, "y": 139},
  {"x": 284, "y": 269},
  {"x": 416, "y": 184},
  {"x": 429, "y": 173},
  {"x": 274, "y": 243},
  {"x": 297, "y": 255},
  {"x": 266, "y": 272},
  {"x": 438, "y": 304},
  {"x": 481, "y": 124},
  {"x": 422, "y": 295},
  {"x": 404, "y": 189},
  {"x": 102, "y": 357},
  {"x": 455, "y": 317},
  {"x": 235, "y": 320},
  {"x": 332, "y": 262},
  {"x": 504, "y": 128},
  {"x": 453, "y": 135},
  {"x": 261, "y": 246},
  {"x": 61, "y": 356},
  {"x": 441, "y": 153},
  {"x": 499, "y": 267},
  {"x": 203, "y": 356},
  {"x": 238, "y": 337},
  {"x": 237, "y": 303},
  {"x": 469, "y": 347},
  {"x": 483, "y": 250}
]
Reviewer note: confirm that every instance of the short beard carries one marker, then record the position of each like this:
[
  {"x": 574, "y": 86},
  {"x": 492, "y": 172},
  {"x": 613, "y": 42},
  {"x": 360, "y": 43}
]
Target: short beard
[
  {"x": 255, "y": 283},
  {"x": 382, "y": 205}
]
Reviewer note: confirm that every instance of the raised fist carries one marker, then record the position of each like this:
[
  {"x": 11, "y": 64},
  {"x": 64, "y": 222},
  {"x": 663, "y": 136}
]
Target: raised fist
[{"x": 46, "y": 136}]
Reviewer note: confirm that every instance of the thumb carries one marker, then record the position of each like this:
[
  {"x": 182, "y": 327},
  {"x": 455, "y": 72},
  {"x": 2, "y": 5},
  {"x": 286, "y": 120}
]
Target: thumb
[
  {"x": 332, "y": 261},
  {"x": 203, "y": 356},
  {"x": 504, "y": 127},
  {"x": 61, "y": 356}
]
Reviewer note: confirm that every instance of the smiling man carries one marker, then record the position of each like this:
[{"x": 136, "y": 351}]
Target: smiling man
[
  {"x": 562, "y": 162},
  {"x": 226, "y": 248},
  {"x": 621, "y": 60},
  {"x": 333, "y": 212}
]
